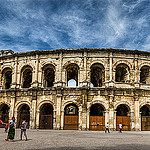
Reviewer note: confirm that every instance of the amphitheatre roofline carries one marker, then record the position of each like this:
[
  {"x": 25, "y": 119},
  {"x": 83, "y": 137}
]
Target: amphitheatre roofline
[{"x": 4, "y": 53}]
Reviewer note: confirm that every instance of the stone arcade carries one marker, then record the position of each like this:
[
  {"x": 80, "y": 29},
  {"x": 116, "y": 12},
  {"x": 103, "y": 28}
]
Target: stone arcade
[{"x": 79, "y": 89}]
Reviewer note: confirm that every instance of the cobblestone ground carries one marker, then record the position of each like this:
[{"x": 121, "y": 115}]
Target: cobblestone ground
[{"x": 77, "y": 140}]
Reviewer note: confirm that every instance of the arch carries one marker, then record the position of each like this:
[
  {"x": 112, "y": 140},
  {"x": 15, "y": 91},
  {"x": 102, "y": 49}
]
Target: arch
[
  {"x": 6, "y": 77},
  {"x": 123, "y": 110},
  {"x": 71, "y": 117},
  {"x": 48, "y": 75},
  {"x": 145, "y": 74},
  {"x": 45, "y": 63},
  {"x": 127, "y": 104},
  {"x": 147, "y": 102},
  {"x": 44, "y": 102},
  {"x": 121, "y": 62},
  {"x": 67, "y": 103},
  {"x": 71, "y": 62},
  {"x": 97, "y": 117},
  {"x": 4, "y": 113},
  {"x": 5, "y": 102},
  {"x": 145, "y": 110},
  {"x": 122, "y": 73},
  {"x": 145, "y": 117},
  {"x": 5, "y": 67},
  {"x": 101, "y": 102},
  {"x": 46, "y": 116},
  {"x": 97, "y": 109},
  {"x": 17, "y": 106},
  {"x": 97, "y": 74},
  {"x": 123, "y": 116},
  {"x": 26, "y": 76},
  {"x": 72, "y": 72},
  {"x": 23, "y": 113},
  {"x": 71, "y": 109},
  {"x": 143, "y": 64},
  {"x": 97, "y": 62}
]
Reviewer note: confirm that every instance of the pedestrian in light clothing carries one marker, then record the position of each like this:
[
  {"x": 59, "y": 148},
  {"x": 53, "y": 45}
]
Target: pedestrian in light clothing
[
  {"x": 23, "y": 129},
  {"x": 107, "y": 128},
  {"x": 120, "y": 127}
]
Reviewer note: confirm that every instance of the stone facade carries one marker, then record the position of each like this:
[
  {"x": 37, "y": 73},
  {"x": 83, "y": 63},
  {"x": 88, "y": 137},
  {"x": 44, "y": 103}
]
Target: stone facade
[{"x": 108, "y": 77}]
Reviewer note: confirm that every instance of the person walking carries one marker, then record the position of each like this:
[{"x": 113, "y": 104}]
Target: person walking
[
  {"x": 107, "y": 128},
  {"x": 23, "y": 129},
  {"x": 120, "y": 127},
  {"x": 11, "y": 132}
]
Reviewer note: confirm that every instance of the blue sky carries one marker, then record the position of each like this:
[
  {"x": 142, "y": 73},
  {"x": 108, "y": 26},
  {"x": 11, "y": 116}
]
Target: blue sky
[{"x": 27, "y": 25}]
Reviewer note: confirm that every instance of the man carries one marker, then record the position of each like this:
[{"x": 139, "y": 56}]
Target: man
[
  {"x": 23, "y": 129},
  {"x": 120, "y": 127},
  {"x": 107, "y": 128}
]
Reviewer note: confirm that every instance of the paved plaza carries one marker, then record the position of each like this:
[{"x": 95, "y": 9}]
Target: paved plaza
[{"x": 73, "y": 140}]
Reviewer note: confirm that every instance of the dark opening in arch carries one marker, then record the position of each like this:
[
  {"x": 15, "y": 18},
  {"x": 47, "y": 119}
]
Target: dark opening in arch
[
  {"x": 72, "y": 73},
  {"x": 23, "y": 114},
  {"x": 71, "y": 109},
  {"x": 96, "y": 110},
  {"x": 7, "y": 77},
  {"x": 4, "y": 113},
  {"x": 97, "y": 75},
  {"x": 49, "y": 75},
  {"x": 145, "y": 75},
  {"x": 145, "y": 118},
  {"x": 46, "y": 116},
  {"x": 122, "y": 73},
  {"x": 122, "y": 110}
]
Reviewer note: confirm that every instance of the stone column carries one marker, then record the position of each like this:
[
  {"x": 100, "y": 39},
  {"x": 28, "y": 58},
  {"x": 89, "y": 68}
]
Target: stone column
[
  {"x": 11, "y": 111},
  {"x": 111, "y": 83},
  {"x": 58, "y": 106},
  {"x": 62, "y": 119},
  {"x": 14, "y": 73},
  {"x": 16, "y": 116},
  {"x": 35, "y": 72},
  {"x": 88, "y": 119},
  {"x": 37, "y": 118},
  {"x": 132, "y": 121},
  {"x": 83, "y": 71},
  {"x": 137, "y": 114},
  {"x": 80, "y": 118},
  {"x": 115, "y": 120},
  {"x": 54, "y": 119},
  {"x": 137, "y": 72},
  {"x": 111, "y": 113},
  {"x": 34, "y": 114}
]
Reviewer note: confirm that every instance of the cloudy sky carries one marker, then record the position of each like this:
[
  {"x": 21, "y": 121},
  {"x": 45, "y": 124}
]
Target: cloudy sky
[{"x": 52, "y": 24}]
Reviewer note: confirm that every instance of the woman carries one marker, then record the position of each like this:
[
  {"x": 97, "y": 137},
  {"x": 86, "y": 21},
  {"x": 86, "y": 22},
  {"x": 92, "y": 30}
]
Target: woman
[{"x": 11, "y": 132}]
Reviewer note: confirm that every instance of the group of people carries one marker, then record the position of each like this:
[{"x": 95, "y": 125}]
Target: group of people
[
  {"x": 11, "y": 132},
  {"x": 107, "y": 128}
]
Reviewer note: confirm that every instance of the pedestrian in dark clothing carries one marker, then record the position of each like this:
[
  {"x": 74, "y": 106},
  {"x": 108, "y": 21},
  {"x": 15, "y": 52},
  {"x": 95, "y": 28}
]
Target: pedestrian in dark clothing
[{"x": 11, "y": 132}]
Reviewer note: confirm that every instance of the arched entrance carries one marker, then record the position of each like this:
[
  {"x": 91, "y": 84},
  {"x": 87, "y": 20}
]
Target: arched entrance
[
  {"x": 71, "y": 117},
  {"x": 123, "y": 117},
  {"x": 145, "y": 118},
  {"x": 23, "y": 114},
  {"x": 97, "y": 118},
  {"x": 46, "y": 116},
  {"x": 4, "y": 113}
]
